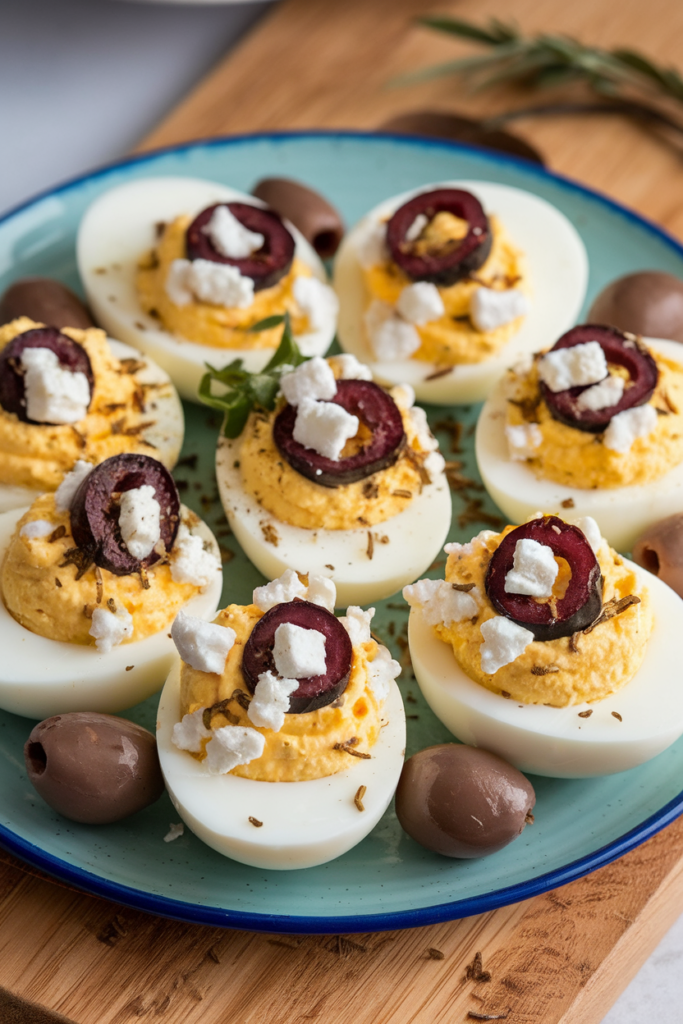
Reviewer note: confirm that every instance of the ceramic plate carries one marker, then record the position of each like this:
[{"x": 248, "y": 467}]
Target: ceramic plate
[{"x": 388, "y": 881}]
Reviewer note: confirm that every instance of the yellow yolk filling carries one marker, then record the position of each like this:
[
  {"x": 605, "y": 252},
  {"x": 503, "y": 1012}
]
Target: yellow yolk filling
[
  {"x": 36, "y": 455},
  {"x": 306, "y": 747},
  {"x": 576, "y": 458},
  {"x": 203, "y": 322},
  {"x": 42, "y": 591},
  {"x": 587, "y": 667},
  {"x": 453, "y": 338}
]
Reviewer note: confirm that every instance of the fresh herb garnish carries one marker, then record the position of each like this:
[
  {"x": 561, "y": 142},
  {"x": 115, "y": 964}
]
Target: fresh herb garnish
[{"x": 247, "y": 391}]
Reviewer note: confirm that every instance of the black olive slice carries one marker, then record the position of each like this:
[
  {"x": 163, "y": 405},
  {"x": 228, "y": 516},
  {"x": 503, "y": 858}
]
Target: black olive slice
[
  {"x": 95, "y": 510},
  {"x": 582, "y": 601},
  {"x": 452, "y": 262},
  {"x": 375, "y": 409},
  {"x": 71, "y": 355},
  {"x": 266, "y": 266},
  {"x": 317, "y": 691},
  {"x": 621, "y": 350}
]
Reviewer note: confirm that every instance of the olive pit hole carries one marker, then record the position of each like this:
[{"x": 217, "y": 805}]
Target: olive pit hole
[
  {"x": 326, "y": 243},
  {"x": 37, "y": 756},
  {"x": 651, "y": 561}
]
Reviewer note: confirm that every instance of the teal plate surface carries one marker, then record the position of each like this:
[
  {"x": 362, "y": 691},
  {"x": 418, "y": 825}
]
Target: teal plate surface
[{"x": 388, "y": 881}]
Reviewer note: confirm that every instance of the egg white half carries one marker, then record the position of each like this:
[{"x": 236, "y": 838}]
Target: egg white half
[
  {"x": 416, "y": 536},
  {"x": 558, "y": 272},
  {"x": 304, "y": 823},
  {"x": 40, "y": 677},
  {"x": 555, "y": 741},
  {"x": 119, "y": 228},
  {"x": 622, "y": 513}
]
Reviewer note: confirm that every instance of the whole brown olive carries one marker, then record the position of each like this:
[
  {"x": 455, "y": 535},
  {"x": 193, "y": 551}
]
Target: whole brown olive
[
  {"x": 45, "y": 301},
  {"x": 660, "y": 550},
  {"x": 93, "y": 768},
  {"x": 649, "y": 302},
  {"x": 311, "y": 213},
  {"x": 462, "y": 801}
]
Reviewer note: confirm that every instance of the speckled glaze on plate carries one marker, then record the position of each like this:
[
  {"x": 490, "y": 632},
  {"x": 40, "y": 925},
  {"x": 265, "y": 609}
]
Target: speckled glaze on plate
[{"x": 388, "y": 881}]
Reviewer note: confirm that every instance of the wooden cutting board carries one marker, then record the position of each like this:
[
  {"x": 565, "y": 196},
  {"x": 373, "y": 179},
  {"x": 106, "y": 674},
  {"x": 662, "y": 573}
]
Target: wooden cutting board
[{"x": 561, "y": 957}]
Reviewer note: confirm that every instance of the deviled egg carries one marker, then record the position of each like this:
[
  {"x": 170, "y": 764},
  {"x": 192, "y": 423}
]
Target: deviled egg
[
  {"x": 444, "y": 286},
  {"x": 182, "y": 269},
  {"x": 546, "y": 647},
  {"x": 595, "y": 425},
  {"x": 282, "y": 734},
  {"x": 92, "y": 577}
]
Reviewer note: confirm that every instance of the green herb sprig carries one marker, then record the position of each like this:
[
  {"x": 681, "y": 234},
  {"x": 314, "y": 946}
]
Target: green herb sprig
[{"x": 247, "y": 391}]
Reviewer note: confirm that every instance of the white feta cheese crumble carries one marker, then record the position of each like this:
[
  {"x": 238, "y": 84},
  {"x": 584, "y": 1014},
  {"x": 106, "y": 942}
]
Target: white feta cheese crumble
[
  {"x": 590, "y": 530},
  {"x": 313, "y": 380},
  {"x": 229, "y": 236},
  {"x": 325, "y": 427},
  {"x": 190, "y": 731},
  {"x": 322, "y": 591},
  {"x": 232, "y": 745},
  {"x": 416, "y": 228},
  {"x": 64, "y": 494},
  {"x": 270, "y": 702},
  {"x": 202, "y": 645},
  {"x": 356, "y": 622},
  {"x": 504, "y": 641},
  {"x": 434, "y": 464},
  {"x": 490, "y": 309},
  {"x": 217, "y": 283},
  {"x": 279, "y": 591},
  {"x": 382, "y": 671},
  {"x": 403, "y": 395},
  {"x": 140, "y": 520},
  {"x": 425, "y": 438},
  {"x": 534, "y": 569},
  {"x": 523, "y": 364},
  {"x": 110, "y": 628},
  {"x": 523, "y": 440},
  {"x": 190, "y": 561},
  {"x": 299, "y": 653},
  {"x": 570, "y": 367},
  {"x": 601, "y": 396},
  {"x": 175, "y": 831},
  {"x": 350, "y": 368},
  {"x": 440, "y": 603},
  {"x": 53, "y": 393},
  {"x": 627, "y": 426},
  {"x": 36, "y": 528},
  {"x": 317, "y": 301},
  {"x": 390, "y": 336},
  {"x": 420, "y": 303},
  {"x": 466, "y": 549},
  {"x": 371, "y": 247}
]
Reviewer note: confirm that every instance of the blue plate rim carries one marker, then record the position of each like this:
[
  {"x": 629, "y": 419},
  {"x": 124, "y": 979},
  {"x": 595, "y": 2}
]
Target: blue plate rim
[{"x": 246, "y": 920}]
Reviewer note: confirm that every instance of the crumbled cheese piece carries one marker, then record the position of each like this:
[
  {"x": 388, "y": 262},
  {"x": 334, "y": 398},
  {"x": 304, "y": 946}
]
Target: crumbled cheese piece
[
  {"x": 325, "y": 427},
  {"x": 490, "y": 309},
  {"x": 217, "y": 283},
  {"x": 591, "y": 531},
  {"x": 322, "y": 591},
  {"x": 420, "y": 303},
  {"x": 313, "y": 379},
  {"x": 190, "y": 731},
  {"x": 504, "y": 641},
  {"x": 371, "y": 248},
  {"x": 416, "y": 228},
  {"x": 403, "y": 395},
  {"x": 390, "y": 336},
  {"x": 230, "y": 237},
  {"x": 299, "y": 653},
  {"x": 175, "y": 831},
  {"x": 523, "y": 440},
  {"x": 534, "y": 569},
  {"x": 440, "y": 603},
  {"x": 570, "y": 367},
  {"x": 279, "y": 591},
  {"x": 64, "y": 494},
  {"x": 350, "y": 368},
  {"x": 523, "y": 364},
  {"x": 317, "y": 301},
  {"x": 232, "y": 745},
  {"x": 425, "y": 438},
  {"x": 467, "y": 549},
  {"x": 202, "y": 645},
  {"x": 603, "y": 395},
  {"x": 270, "y": 702},
  {"x": 53, "y": 393},
  {"x": 110, "y": 628},
  {"x": 356, "y": 622},
  {"x": 434, "y": 464},
  {"x": 627, "y": 426},
  {"x": 36, "y": 528},
  {"x": 382, "y": 671},
  {"x": 140, "y": 520},
  {"x": 190, "y": 561}
]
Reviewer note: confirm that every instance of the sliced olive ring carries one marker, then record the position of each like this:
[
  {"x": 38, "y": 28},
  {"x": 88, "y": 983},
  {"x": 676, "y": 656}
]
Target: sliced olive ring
[
  {"x": 379, "y": 414},
  {"x": 71, "y": 355},
  {"x": 620, "y": 349},
  {"x": 268, "y": 264},
  {"x": 316, "y": 691},
  {"x": 582, "y": 601},
  {"x": 95, "y": 511},
  {"x": 452, "y": 262}
]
